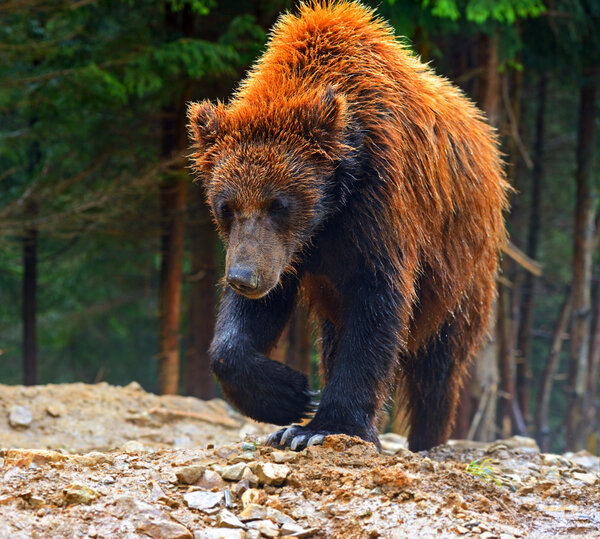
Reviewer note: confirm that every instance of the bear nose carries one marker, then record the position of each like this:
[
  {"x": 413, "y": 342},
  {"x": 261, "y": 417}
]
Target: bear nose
[{"x": 242, "y": 279}]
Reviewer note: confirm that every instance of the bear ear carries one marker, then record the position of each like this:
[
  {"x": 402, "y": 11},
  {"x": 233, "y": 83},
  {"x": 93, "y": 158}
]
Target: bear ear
[
  {"x": 327, "y": 121},
  {"x": 206, "y": 123}
]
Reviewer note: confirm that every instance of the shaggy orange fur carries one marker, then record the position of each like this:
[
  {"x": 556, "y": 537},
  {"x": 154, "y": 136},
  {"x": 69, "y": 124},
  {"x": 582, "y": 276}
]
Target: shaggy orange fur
[{"x": 434, "y": 214}]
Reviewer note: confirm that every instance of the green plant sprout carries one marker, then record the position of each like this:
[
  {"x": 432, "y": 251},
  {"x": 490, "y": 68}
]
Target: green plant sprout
[{"x": 482, "y": 469}]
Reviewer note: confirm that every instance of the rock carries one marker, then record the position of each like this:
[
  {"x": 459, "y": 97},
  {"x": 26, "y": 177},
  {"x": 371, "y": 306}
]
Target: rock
[
  {"x": 202, "y": 500},
  {"x": 265, "y": 527},
  {"x": 239, "y": 488},
  {"x": 253, "y": 511},
  {"x": 189, "y": 475},
  {"x": 250, "y": 477},
  {"x": 56, "y": 409},
  {"x": 76, "y": 493},
  {"x": 133, "y": 446},
  {"x": 226, "y": 519},
  {"x": 302, "y": 532},
  {"x": 233, "y": 472},
  {"x": 587, "y": 478},
  {"x": 261, "y": 512},
  {"x": 253, "y": 496},
  {"x": 393, "y": 443},
  {"x": 20, "y": 417},
  {"x": 211, "y": 480},
  {"x": 291, "y": 528},
  {"x": 271, "y": 474},
  {"x": 162, "y": 529},
  {"x": 150, "y": 521},
  {"x": 586, "y": 460},
  {"x": 219, "y": 533},
  {"x": 281, "y": 457}
]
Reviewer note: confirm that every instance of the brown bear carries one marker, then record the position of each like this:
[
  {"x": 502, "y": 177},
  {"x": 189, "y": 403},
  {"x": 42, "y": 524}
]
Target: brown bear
[{"x": 346, "y": 172}]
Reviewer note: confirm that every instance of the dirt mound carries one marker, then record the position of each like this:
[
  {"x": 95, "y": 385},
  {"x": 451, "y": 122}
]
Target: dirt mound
[{"x": 149, "y": 488}]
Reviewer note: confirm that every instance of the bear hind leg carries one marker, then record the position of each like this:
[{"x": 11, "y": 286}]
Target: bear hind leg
[{"x": 433, "y": 379}]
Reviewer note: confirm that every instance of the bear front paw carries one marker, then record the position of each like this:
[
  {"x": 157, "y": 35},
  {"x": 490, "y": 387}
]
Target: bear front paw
[{"x": 298, "y": 438}]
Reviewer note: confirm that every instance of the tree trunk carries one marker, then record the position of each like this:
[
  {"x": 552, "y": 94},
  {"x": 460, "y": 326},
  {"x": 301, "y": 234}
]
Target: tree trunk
[
  {"x": 592, "y": 396},
  {"x": 173, "y": 199},
  {"x": 199, "y": 381},
  {"x": 582, "y": 264},
  {"x": 506, "y": 362},
  {"x": 528, "y": 287},
  {"x": 173, "y": 195},
  {"x": 545, "y": 390},
  {"x": 30, "y": 300}
]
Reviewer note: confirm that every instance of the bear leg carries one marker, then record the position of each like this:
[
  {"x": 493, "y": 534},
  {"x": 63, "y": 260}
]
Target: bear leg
[{"x": 432, "y": 380}]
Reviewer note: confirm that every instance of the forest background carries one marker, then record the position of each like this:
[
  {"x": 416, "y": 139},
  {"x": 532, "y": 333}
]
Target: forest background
[{"x": 109, "y": 262}]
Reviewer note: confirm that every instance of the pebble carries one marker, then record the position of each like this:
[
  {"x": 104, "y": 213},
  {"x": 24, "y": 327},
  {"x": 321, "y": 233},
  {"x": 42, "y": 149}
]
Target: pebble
[
  {"x": 20, "y": 417},
  {"x": 219, "y": 533},
  {"x": 253, "y": 496},
  {"x": 233, "y": 472},
  {"x": 162, "y": 528},
  {"x": 261, "y": 512},
  {"x": 587, "y": 478},
  {"x": 76, "y": 493},
  {"x": 226, "y": 519},
  {"x": 211, "y": 480},
  {"x": 134, "y": 446},
  {"x": 250, "y": 477},
  {"x": 265, "y": 527},
  {"x": 56, "y": 409},
  {"x": 202, "y": 500},
  {"x": 271, "y": 474},
  {"x": 281, "y": 457},
  {"x": 189, "y": 475},
  {"x": 240, "y": 487}
]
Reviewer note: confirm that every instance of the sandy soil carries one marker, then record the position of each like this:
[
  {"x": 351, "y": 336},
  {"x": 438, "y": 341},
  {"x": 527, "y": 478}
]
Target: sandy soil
[{"x": 102, "y": 462}]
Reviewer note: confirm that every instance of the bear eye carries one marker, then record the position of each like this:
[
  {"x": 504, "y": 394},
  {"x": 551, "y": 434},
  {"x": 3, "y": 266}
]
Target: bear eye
[
  {"x": 224, "y": 211},
  {"x": 278, "y": 207}
]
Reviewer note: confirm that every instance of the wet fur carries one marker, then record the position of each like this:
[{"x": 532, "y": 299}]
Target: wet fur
[{"x": 394, "y": 237}]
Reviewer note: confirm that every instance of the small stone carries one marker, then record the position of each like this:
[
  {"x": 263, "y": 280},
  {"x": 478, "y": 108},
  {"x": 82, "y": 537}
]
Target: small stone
[
  {"x": 189, "y": 475},
  {"x": 202, "y": 500},
  {"x": 133, "y": 446},
  {"x": 271, "y": 474},
  {"x": 461, "y": 529},
  {"x": 240, "y": 487},
  {"x": 281, "y": 457},
  {"x": 219, "y": 533},
  {"x": 303, "y": 532},
  {"x": 211, "y": 480},
  {"x": 587, "y": 478},
  {"x": 253, "y": 496},
  {"x": 265, "y": 527},
  {"x": 36, "y": 501},
  {"x": 162, "y": 529},
  {"x": 250, "y": 477},
  {"x": 488, "y": 535},
  {"x": 226, "y": 519},
  {"x": 233, "y": 472},
  {"x": 76, "y": 493},
  {"x": 56, "y": 409},
  {"x": 249, "y": 446},
  {"x": 253, "y": 511},
  {"x": 20, "y": 417},
  {"x": 291, "y": 528}
]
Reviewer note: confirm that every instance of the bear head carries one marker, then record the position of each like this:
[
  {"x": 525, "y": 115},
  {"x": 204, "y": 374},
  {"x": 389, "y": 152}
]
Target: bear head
[{"x": 267, "y": 170}]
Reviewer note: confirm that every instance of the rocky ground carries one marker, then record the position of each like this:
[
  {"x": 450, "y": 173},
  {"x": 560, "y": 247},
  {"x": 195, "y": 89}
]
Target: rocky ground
[{"x": 102, "y": 462}]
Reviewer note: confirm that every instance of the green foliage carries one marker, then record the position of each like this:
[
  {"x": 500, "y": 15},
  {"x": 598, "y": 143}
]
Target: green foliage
[
  {"x": 480, "y": 11},
  {"x": 480, "y": 468}
]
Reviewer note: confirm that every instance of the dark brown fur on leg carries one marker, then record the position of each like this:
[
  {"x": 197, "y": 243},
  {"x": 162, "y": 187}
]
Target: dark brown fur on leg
[{"x": 432, "y": 380}]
